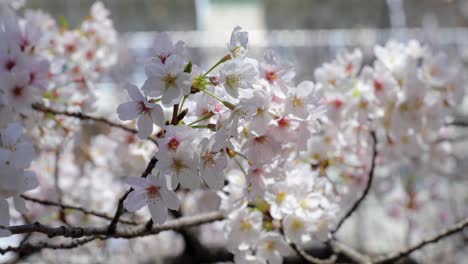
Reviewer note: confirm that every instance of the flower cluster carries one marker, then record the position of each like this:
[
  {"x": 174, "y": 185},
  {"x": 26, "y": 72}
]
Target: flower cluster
[
  {"x": 78, "y": 56},
  {"x": 41, "y": 62},
  {"x": 249, "y": 116},
  {"x": 407, "y": 97}
]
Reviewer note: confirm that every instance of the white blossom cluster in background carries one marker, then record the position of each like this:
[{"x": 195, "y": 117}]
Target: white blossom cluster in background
[
  {"x": 282, "y": 158},
  {"x": 41, "y": 62}
]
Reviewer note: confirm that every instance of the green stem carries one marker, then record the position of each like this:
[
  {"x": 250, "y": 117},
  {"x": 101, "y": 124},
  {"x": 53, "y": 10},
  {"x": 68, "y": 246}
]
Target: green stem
[
  {"x": 222, "y": 60},
  {"x": 183, "y": 101},
  {"x": 241, "y": 155},
  {"x": 205, "y": 117},
  {"x": 240, "y": 166}
]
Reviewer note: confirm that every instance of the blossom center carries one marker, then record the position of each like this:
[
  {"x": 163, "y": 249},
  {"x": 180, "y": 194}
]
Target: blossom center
[
  {"x": 163, "y": 57},
  {"x": 260, "y": 139},
  {"x": 378, "y": 85},
  {"x": 170, "y": 80},
  {"x": 296, "y": 101},
  {"x": 178, "y": 165},
  {"x": 280, "y": 197},
  {"x": 270, "y": 246},
  {"x": 245, "y": 225},
  {"x": 271, "y": 76},
  {"x": 210, "y": 159},
  {"x": 153, "y": 191},
  {"x": 142, "y": 108},
  {"x": 17, "y": 91},
  {"x": 10, "y": 64},
  {"x": 173, "y": 144},
  {"x": 233, "y": 80},
  {"x": 297, "y": 225}
]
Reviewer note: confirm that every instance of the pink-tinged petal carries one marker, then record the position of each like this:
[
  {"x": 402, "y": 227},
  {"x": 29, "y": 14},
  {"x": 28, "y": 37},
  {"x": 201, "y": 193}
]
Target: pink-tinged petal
[
  {"x": 128, "y": 110},
  {"x": 157, "y": 115},
  {"x": 135, "y": 200},
  {"x": 133, "y": 92},
  {"x": 4, "y": 213},
  {"x": 145, "y": 126},
  {"x": 153, "y": 87},
  {"x": 170, "y": 199},
  {"x": 20, "y": 206},
  {"x": 137, "y": 182},
  {"x": 158, "y": 212}
]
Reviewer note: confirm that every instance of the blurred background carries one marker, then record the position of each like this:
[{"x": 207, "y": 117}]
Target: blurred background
[{"x": 308, "y": 32}]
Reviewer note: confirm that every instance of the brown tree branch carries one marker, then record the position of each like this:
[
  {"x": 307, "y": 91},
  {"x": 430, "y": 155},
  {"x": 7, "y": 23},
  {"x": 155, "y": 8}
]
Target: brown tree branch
[
  {"x": 81, "y": 116},
  {"x": 311, "y": 259},
  {"x": 77, "y": 208},
  {"x": 393, "y": 257},
  {"x": 366, "y": 190},
  {"x": 351, "y": 253},
  {"x": 78, "y": 232},
  {"x": 28, "y": 248}
]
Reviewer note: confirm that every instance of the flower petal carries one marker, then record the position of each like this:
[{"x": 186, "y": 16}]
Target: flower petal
[
  {"x": 128, "y": 110},
  {"x": 20, "y": 206},
  {"x": 145, "y": 126},
  {"x": 135, "y": 200},
  {"x": 158, "y": 212},
  {"x": 133, "y": 92},
  {"x": 170, "y": 199}
]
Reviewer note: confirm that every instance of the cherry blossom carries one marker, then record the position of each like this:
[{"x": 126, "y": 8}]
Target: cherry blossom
[
  {"x": 147, "y": 113},
  {"x": 153, "y": 193}
]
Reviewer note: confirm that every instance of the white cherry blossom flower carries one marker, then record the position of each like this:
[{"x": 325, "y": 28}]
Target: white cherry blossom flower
[
  {"x": 272, "y": 247},
  {"x": 238, "y": 74},
  {"x": 167, "y": 80},
  {"x": 153, "y": 193},
  {"x": 146, "y": 112}
]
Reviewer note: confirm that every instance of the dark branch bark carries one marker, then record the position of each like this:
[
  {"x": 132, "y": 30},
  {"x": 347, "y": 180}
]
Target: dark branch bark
[
  {"x": 28, "y": 248},
  {"x": 81, "y": 116},
  {"x": 77, "y": 208},
  {"x": 78, "y": 232},
  {"x": 393, "y": 257},
  {"x": 366, "y": 190}
]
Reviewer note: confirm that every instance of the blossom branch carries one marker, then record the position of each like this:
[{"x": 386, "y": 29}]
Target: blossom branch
[
  {"x": 311, "y": 259},
  {"x": 81, "y": 116},
  {"x": 393, "y": 257},
  {"x": 78, "y": 232},
  {"x": 28, "y": 248},
  {"x": 77, "y": 208},
  {"x": 366, "y": 190}
]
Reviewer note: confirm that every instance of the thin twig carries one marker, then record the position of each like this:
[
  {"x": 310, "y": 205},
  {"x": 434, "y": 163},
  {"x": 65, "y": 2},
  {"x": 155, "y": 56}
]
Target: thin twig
[
  {"x": 353, "y": 254},
  {"x": 81, "y": 116},
  {"x": 366, "y": 190},
  {"x": 77, "y": 208},
  {"x": 393, "y": 257}
]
